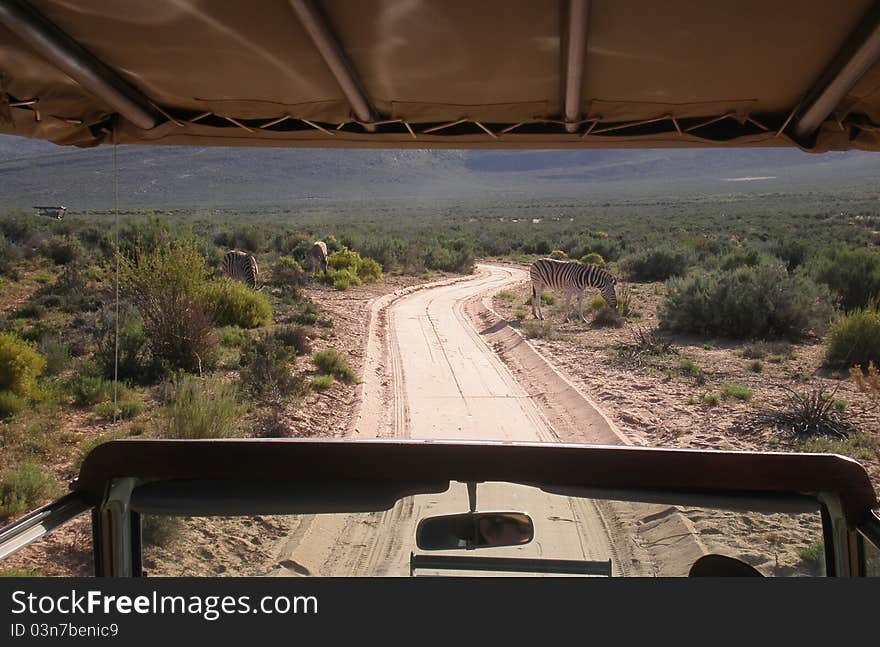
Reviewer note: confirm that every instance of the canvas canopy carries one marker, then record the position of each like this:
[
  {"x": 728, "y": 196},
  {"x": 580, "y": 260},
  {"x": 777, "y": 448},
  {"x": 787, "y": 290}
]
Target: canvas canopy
[{"x": 443, "y": 73}]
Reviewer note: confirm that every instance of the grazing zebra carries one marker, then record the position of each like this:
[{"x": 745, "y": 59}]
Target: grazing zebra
[
  {"x": 241, "y": 266},
  {"x": 570, "y": 278},
  {"x": 318, "y": 256}
]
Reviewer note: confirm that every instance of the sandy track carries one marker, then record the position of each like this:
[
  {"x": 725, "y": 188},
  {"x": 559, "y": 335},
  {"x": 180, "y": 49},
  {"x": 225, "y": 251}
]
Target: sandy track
[{"x": 430, "y": 373}]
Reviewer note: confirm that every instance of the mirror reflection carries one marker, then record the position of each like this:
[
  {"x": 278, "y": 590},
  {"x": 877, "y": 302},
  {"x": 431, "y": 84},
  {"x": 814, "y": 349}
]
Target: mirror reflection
[{"x": 475, "y": 530}]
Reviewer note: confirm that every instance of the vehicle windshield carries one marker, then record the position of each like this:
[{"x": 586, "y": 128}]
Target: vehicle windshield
[{"x": 573, "y": 535}]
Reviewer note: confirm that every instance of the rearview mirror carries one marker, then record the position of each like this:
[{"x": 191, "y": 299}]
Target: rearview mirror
[{"x": 474, "y": 530}]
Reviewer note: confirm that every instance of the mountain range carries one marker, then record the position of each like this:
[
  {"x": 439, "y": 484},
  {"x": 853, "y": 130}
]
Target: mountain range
[{"x": 35, "y": 172}]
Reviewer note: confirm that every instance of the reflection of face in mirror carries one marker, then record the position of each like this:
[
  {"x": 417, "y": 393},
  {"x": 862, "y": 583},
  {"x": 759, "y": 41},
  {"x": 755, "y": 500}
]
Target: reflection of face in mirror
[{"x": 503, "y": 531}]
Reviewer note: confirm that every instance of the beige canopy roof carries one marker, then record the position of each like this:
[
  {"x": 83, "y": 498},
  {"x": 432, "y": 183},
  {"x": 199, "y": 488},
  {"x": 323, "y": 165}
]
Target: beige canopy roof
[{"x": 443, "y": 73}]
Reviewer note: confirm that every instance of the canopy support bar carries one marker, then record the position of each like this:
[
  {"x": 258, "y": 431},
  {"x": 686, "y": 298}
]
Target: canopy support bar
[
  {"x": 860, "y": 51},
  {"x": 75, "y": 61},
  {"x": 332, "y": 53},
  {"x": 576, "y": 53}
]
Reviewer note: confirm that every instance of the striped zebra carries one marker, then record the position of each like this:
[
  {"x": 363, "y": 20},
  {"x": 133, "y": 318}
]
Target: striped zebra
[
  {"x": 569, "y": 277},
  {"x": 318, "y": 256},
  {"x": 243, "y": 267}
]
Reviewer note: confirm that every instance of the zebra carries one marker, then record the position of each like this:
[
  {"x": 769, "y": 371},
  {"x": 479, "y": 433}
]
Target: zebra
[
  {"x": 569, "y": 277},
  {"x": 243, "y": 267},
  {"x": 318, "y": 256}
]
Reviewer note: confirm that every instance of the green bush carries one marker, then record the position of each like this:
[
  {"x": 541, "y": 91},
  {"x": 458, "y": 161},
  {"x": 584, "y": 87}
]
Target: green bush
[
  {"x": 23, "y": 488},
  {"x": 656, "y": 263},
  {"x": 62, "y": 250},
  {"x": 598, "y": 302},
  {"x": 202, "y": 409},
  {"x": 57, "y": 354},
  {"x": 9, "y": 254},
  {"x": 296, "y": 337},
  {"x": 135, "y": 359},
  {"x": 235, "y": 304},
  {"x": 124, "y": 409},
  {"x": 168, "y": 286},
  {"x": 321, "y": 382},
  {"x": 854, "y": 339},
  {"x": 747, "y": 302},
  {"x": 606, "y": 317},
  {"x": 559, "y": 255},
  {"x": 332, "y": 362},
  {"x": 740, "y": 257},
  {"x": 813, "y": 556},
  {"x": 852, "y": 274},
  {"x": 348, "y": 265},
  {"x": 88, "y": 390},
  {"x": 287, "y": 274},
  {"x": 592, "y": 259},
  {"x": 232, "y": 337},
  {"x": 711, "y": 399},
  {"x": 736, "y": 391},
  {"x": 20, "y": 364},
  {"x": 11, "y": 404},
  {"x": 267, "y": 367},
  {"x": 370, "y": 271}
]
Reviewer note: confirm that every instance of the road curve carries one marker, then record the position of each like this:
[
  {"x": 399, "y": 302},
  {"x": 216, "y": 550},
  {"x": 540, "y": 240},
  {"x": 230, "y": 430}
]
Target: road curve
[{"x": 447, "y": 384}]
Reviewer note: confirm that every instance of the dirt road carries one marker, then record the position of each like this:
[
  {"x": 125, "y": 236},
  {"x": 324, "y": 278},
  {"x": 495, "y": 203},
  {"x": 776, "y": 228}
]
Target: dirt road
[{"x": 434, "y": 376}]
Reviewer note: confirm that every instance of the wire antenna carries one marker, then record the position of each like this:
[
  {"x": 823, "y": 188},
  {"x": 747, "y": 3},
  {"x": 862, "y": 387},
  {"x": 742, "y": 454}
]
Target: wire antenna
[{"x": 116, "y": 245}]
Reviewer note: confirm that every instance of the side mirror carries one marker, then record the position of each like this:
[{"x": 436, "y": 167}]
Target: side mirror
[{"x": 474, "y": 530}]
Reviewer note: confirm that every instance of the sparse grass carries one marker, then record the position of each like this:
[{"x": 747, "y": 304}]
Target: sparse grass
[
  {"x": 322, "y": 382},
  {"x": 689, "y": 368},
  {"x": 536, "y": 329},
  {"x": 20, "y": 572},
  {"x": 24, "y": 487},
  {"x": 520, "y": 314},
  {"x": 762, "y": 349},
  {"x": 857, "y": 445},
  {"x": 756, "y": 366},
  {"x": 332, "y": 362},
  {"x": 505, "y": 295},
  {"x": 547, "y": 299},
  {"x": 736, "y": 391}
]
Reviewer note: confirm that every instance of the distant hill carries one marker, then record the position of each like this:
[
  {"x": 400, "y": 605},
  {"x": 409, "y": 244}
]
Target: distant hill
[{"x": 35, "y": 172}]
